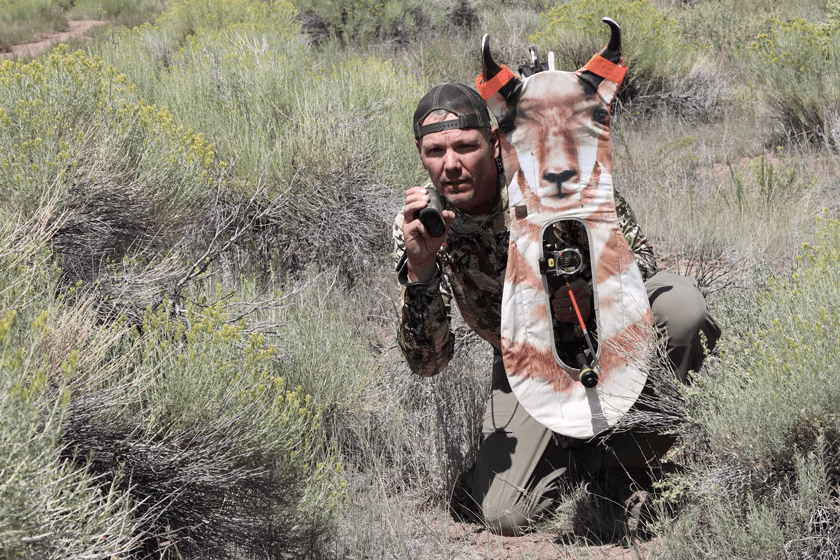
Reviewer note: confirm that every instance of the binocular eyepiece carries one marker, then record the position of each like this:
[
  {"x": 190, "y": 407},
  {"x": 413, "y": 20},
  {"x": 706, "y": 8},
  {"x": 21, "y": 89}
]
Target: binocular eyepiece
[{"x": 432, "y": 214}]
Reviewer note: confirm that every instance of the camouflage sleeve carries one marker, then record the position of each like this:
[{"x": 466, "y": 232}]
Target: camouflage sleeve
[
  {"x": 423, "y": 334},
  {"x": 642, "y": 250}
]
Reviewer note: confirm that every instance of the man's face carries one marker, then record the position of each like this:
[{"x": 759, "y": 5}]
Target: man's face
[{"x": 461, "y": 165}]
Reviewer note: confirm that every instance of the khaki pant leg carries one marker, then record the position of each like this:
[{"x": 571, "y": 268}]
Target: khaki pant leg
[
  {"x": 516, "y": 468},
  {"x": 504, "y": 484},
  {"x": 681, "y": 314}
]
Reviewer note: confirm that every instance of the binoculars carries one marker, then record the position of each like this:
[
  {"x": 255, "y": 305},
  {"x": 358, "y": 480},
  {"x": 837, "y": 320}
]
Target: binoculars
[{"x": 431, "y": 215}]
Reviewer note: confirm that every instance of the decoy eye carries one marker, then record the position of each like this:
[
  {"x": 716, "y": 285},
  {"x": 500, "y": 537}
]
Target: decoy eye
[{"x": 600, "y": 115}]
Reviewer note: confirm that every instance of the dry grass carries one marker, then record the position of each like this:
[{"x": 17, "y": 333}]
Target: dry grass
[
  {"x": 35, "y": 25},
  {"x": 713, "y": 200},
  {"x": 18, "y": 33}
]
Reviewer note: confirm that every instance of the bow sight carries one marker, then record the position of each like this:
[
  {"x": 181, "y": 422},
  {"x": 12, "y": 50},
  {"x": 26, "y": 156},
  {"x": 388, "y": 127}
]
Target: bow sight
[
  {"x": 561, "y": 262},
  {"x": 564, "y": 262}
]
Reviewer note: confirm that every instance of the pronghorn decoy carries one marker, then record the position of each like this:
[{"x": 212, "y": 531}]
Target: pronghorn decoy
[{"x": 577, "y": 380}]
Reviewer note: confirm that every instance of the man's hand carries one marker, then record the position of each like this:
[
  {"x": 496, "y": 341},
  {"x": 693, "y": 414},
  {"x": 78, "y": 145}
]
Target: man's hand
[
  {"x": 420, "y": 247},
  {"x": 562, "y": 304}
]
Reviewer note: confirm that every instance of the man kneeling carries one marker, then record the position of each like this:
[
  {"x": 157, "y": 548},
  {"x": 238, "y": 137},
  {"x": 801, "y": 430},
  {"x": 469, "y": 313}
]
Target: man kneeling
[{"x": 517, "y": 471}]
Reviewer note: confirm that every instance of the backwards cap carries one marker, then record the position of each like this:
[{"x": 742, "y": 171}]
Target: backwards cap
[{"x": 453, "y": 98}]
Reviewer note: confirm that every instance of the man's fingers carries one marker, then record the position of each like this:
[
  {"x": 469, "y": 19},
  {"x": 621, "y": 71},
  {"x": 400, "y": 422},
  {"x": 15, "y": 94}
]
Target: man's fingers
[
  {"x": 414, "y": 228},
  {"x": 414, "y": 202},
  {"x": 448, "y": 220},
  {"x": 414, "y": 191}
]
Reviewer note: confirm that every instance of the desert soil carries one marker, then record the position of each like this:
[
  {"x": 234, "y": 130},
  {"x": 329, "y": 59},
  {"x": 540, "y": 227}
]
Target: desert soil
[
  {"x": 534, "y": 546},
  {"x": 77, "y": 29}
]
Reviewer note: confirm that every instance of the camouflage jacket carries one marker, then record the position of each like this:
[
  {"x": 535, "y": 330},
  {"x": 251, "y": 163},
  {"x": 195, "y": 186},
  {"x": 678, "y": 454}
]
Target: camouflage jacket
[{"x": 471, "y": 267}]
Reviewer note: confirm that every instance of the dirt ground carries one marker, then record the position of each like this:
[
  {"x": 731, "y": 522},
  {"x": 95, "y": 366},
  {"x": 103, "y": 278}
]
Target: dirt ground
[
  {"x": 77, "y": 29},
  {"x": 533, "y": 546}
]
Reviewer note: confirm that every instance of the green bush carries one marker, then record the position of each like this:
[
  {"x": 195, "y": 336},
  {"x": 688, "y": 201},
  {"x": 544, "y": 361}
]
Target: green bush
[
  {"x": 758, "y": 514},
  {"x": 226, "y": 453},
  {"x": 192, "y": 16},
  {"x": 454, "y": 56},
  {"x": 720, "y": 25},
  {"x": 767, "y": 418},
  {"x": 169, "y": 438},
  {"x": 249, "y": 81},
  {"x": 330, "y": 140},
  {"x": 355, "y": 114},
  {"x": 112, "y": 9},
  {"x": 780, "y": 368},
  {"x": 296, "y": 116},
  {"x": 49, "y": 507},
  {"x": 369, "y": 21},
  {"x": 651, "y": 41},
  {"x": 727, "y": 26},
  {"x": 349, "y": 154},
  {"x": 798, "y": 63},
  {"x": 70, "y": 120},
  {"x": 666, "y": 71},
  {"x": 145, "y": 52}
]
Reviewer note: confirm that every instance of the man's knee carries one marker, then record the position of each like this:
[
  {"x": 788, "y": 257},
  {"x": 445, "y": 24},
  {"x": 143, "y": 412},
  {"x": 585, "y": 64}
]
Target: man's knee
[
  {"x": 677, "y": 305},
  {"x": 504, "y": 521},
  {"x": 680, "y": 313},
  {"x": 508, "y": 507},
  {"x": 499, "y": 501}
]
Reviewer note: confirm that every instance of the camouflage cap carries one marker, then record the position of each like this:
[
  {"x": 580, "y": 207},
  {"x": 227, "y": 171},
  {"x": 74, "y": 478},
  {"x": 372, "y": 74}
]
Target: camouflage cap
[{"x": 454, "y": 98}]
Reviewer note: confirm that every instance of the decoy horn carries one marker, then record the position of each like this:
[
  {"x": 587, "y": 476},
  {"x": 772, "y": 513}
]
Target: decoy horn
[
  {"x": 489, "y": 66},
  {"x": 511, "y": 89},
  {"x": 613, "y": 53}
]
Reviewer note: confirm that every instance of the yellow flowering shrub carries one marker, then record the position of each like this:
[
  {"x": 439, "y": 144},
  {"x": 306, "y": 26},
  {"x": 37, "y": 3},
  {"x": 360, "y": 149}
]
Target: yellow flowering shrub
[
  {"x": 37, "y": 366},
  {"x": 783, "y": 365},
  {"x": 30, "y": 359},
  {"x": 210, "y": 371},
  {"x": 69, "y": 111},
  {"x": 198, "y": 400},
  {"x": 207, "y": 366}
]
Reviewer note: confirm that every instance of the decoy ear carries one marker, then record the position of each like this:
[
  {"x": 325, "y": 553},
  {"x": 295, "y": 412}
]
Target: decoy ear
[
  {"x": 496, "y": 78},
  {"x": 605, "y": 71}
]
